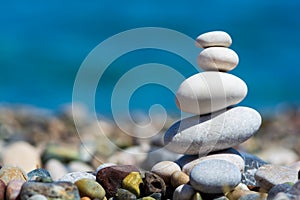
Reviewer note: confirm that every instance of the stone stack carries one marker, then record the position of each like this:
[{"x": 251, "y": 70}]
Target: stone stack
[{"x": 207, "y": 138}]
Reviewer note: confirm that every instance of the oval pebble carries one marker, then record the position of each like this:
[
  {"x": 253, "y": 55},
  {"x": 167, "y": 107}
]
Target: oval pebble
[
  {"x": 207, "y": 92},
  {"x": 75, "y": 176},
  {"x": 213, "y": 39},
  {"x": 218, "y": 59},
  {"x": 179, "y": 178},
  {"x": 232, "y": 158},
  {"x": 211, "y": 176},
  {"x": 183, "y": 192},
  {"x": 133, "y": 182},
  {"x": 90, "y": 188},
  {"x": 165, "y": 169},
  {"x": 37, "y": 197},
  {"x": 13, "y": 189},
  {"x": 220, "y": 131}
]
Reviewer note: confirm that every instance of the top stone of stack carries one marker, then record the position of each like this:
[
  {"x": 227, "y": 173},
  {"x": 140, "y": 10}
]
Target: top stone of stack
[{"x": 214, "y": 39}]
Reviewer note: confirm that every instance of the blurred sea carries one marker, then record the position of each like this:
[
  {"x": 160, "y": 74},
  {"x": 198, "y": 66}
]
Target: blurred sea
[{"x": 42, "y": 45}]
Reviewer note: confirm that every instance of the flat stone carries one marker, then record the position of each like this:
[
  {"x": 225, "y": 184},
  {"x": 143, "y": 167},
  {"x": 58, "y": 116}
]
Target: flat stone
[
  {"x": 55, "y": 190},
  {"x": 201, "y": 135},
  {"x": 183, "y": 192},
  {"x": 13, "y": 189},
  {"x": 278, "y": 155},
  {"x": 214, "y": 39},
  {"x": 165, "y": 169},
  {"x": 270, "y": 175},
  {"x": 90, "y": 188},
  {"x": 75, "y": 176},
  {"x": 110, "y": 178},
  {"x": 218, "y": 59},
  {"x": 252, "y": 163},
  {"x": 21, "y": 154},
  {"x": 213, "y": 176},
  {"x": 232, "y": 158},
  {"x": 285, "y": 187},
  {"x": 207, "y": 92},
  {"x": 254, "y": 196},
  {"x": 9, "y": 173}
]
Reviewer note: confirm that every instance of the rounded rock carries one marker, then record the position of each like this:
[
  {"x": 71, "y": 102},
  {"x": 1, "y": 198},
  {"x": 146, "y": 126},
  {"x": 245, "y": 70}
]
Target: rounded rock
[
  {"x": 154, "y": 184},
  {"x": 219, "y": 131},
  {"x": 90, "y": 188},
  {"x": 9, "y": 173},
  {"x": 183, "y": 192},
  {"x": 75, "y": 176},
  {"x": 179, "y": 178},
  {"x": 207, "y": 92},
  {"x": 2, "y": 189},
  {"x": 218, "y": 59},
  {"x": 133, "y": 182},
  {"x": 165, "y": 169},
  {"x": 37, "y": 197},
  {"x": 13, "y": 189},
  {"x": 212, "y": 176},
  {"x": 214, "y": 39}
]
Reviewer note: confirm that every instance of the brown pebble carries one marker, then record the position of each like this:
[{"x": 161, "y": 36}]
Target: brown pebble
[
  {"x": 110, "y": 178},
  {"x": 154, "y": 184},
  {"x": 13, "y": 189},
  {"x": 2, "y": 189},
  {"x": 179, "y": 178}
]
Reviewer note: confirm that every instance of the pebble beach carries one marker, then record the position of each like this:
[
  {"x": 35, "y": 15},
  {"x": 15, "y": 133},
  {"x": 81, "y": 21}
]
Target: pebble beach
[{"x": 223, "y": 151}]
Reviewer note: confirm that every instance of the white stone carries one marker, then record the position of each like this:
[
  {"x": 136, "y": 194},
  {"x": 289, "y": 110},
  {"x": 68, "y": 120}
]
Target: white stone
[
  {"x": 218, "y": 59},
  {"x": 221, "y": 130},
  {"x": 214, "y": 38},
  {"x": 23, "y": 155},
  {"x": 165, "y": 169},
  {"x": 208, "y": 92},
  {"x": 232, "y": 158},
  {"x": 56, "y": 169}
]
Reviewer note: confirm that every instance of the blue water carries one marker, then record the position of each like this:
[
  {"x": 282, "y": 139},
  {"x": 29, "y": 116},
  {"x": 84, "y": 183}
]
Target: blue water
[{"x": 42, "y": 46}]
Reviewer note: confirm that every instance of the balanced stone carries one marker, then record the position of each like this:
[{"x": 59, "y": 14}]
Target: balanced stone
[
  {"x": 203, "y": 134},
  {"x": 218, "y": 59},
  {"x": 207, "y": 92},
  {"x": 214, "y": 38},
  {"x": 165, "y": 169},
  {"x": 215, "y": 176}
]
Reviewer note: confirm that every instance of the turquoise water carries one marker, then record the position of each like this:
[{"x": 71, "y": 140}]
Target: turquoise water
[{"x": 42, "y": 46}]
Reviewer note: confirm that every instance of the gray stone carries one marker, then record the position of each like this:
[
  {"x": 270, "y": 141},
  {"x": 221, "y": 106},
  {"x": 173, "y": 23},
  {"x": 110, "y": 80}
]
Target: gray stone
[
  {"x": 55, "y": 190},
  {"x": 75, "y": 176},
  {"x": 281, "y": 196},
  {"x": 285, "y": 187},
  {"x": 218, "y": 59},
  {"x": 270, "y": 175},
  {"x": 294, "y": 192},
  {"x": 252, "y": 163},
  {"x": 207, "y": 92},
  {"x": 214, "y": 38},
  {"x": 221, "y": 130},
  {"x": 165, "y": 169},
  {"x": 256, "y": 196},
  {"x": 211, "y": 176},
  {"x": 183, "y": 192}
]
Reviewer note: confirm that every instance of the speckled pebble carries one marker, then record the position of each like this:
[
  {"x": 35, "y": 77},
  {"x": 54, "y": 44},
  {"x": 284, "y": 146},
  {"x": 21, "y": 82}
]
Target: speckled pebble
[
  {"x": 270, "y": 175},
  {"x": 9, "y": 173},
  {"x": 13, "y": 189},
  {"x": 165, "y": 169},
  {"x": 75, "y": 176},
  {"x": 183, "y": 192},
  {"x": 179, "y": 178},
  {"x": 211, "y": 176},
  {"x": 133, "y": 182},
  {"x": 90, "y": 188},
  {"x": 284, "y": 187}
]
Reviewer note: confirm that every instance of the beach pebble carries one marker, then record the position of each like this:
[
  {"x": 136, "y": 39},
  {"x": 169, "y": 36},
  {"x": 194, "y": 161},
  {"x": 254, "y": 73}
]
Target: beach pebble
[
  {"x": 102, "y": 166},
  {"x": 179, "y": 178},
  {"x": 254, "y": 196},
  {"x": 75, "y": 176},
  {"x": 211, "y": 176},
  {"x": 295, "y": 165},
  {"x": 218, "y": 59},
  {"x": 37, "y": 197},
  {"x": 21, "y": 154},
  {"x": 153, "y": 184},
  {"x": 278, "y": 155},
  {"x": 13, "y": 189},
  {"x": 165, "y": 169},
  {"x": 232, "y": 158},
  {"x": 284, "y": 187},
  {"x": 56, "y": 169},
  {"x": 37, "y": 174},
  {"x": 2, "y": 189},
  {"x": 193, "y": 135},
  {"x": 214, "y": 39},
  {"x": 133, "y": 182},
  {"x": 123, "y": 194},
  {"x": 78, "y": 166},
  {"x": 252, "y": 163},
  {"x": 295, "y": 190},
  {"x": 9, "y": 173},
  {"x": 270, "y": 175},
  {"x": 110, "y": 178},
  {"x": 207, "y": 92},
  {"x": 61, "y": 153},
  {"x": 90, "y": 188},
  {"x": 59, "y": 190},
  {"x": 183, "y": 192},
  {"x": 281, "y": 196}
]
